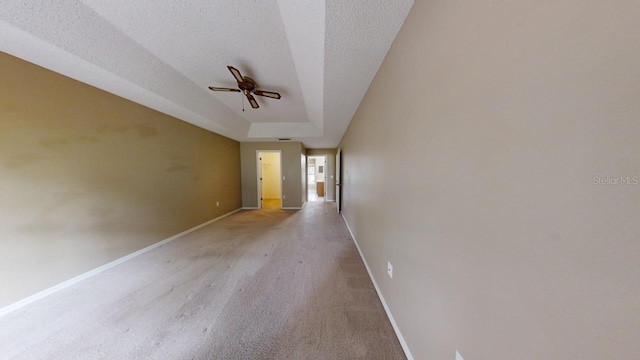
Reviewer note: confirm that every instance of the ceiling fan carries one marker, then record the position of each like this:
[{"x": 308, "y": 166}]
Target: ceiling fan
[{"x": 247, "y": 86}]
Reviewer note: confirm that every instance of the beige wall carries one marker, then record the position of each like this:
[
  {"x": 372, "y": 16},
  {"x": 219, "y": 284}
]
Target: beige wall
[
  {"x": 292, "y": 187},
  {"x": 330, "y": 172},
  {"x": 484, "y": 128},
  {"x": 87, "y": 177}
]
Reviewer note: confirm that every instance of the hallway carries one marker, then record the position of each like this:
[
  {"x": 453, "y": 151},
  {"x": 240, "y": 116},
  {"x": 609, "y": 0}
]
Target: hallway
[{"x": 261, "y": 284}]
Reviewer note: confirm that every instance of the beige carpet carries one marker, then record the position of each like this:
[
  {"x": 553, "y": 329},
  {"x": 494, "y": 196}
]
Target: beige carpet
[{"x": 265, "y": 284}]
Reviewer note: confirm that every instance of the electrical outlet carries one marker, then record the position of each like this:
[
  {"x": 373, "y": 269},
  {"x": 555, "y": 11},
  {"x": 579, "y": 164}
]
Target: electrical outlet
[
  {"x": 284, "y": 197},
  {"x": 390, "y": 269},
  {"x": 458, "y": 356},
  {"x": 217, "y": 203}
]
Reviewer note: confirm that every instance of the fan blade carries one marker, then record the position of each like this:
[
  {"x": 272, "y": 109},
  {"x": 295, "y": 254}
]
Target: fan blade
[
  {"x": 236, "y": 74},
  {"x": 223, "y": 89},
  {"x": 269, "y": 94},
  {"x": 252, "y": 101}
]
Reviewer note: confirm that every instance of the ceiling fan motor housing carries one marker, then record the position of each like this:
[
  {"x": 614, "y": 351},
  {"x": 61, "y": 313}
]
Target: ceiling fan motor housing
[{"x": 247, "y": 85}]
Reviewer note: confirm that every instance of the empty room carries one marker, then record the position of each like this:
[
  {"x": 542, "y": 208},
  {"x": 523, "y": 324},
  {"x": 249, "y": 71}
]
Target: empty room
[{"x": 402, "y": 179}]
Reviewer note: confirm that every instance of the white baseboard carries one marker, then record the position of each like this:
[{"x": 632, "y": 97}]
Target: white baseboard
[
  {"x": 403, "y": 343},
  {"x": 44, "y": 293},
  {"x": 295, "y": 207},
  {"x": 283, "y": 208}
]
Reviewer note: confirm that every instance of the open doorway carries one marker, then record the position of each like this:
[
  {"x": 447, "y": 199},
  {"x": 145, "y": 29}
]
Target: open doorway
[
  {"x": 316, "y": 178},
  {"x": 269, "y": 179}
]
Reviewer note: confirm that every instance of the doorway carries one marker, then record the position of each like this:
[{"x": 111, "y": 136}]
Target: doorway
[
  {"x": 269, "y": 179},
  {"x": 316, "y": 178}
]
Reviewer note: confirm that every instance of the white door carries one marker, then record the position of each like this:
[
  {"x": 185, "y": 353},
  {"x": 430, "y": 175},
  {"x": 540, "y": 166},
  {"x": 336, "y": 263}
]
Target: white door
[
  {"x": 339, "y": 180},
  {"x": 259, "y": 180},
  {"x": 324, "y": 176}
]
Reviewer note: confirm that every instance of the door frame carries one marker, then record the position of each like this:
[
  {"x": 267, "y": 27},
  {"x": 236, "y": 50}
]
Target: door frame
[
  {"x": 259, "y": 175},
  {"x": 324, "y": 174},
  {"x": 339, "y": 180}
]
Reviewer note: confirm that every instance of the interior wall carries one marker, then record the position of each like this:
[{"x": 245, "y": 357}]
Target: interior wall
[
  {"x": 88, "y": 177},
  {"x": 320, "y": 175},
  {"x": 271, "y": 175},
  {"x": 311, "y": 163},
  {"x": 330, "y": 171},
  {"x": 500, "y": 142},
  {"x": 292, "y": 185}
]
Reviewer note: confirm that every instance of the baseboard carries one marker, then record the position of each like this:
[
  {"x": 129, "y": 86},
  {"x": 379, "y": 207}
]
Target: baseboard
[
  {"x": 44, "y": 293},
  {"x": 403, "y": 343},
  {"x": 283, "y": 208}
]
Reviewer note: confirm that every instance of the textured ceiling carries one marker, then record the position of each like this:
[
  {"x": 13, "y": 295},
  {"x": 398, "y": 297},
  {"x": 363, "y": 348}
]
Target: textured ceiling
[{"x": 320, "y": 55}]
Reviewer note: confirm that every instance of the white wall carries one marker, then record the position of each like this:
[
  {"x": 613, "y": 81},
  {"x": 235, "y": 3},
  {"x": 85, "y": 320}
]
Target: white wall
[
  {"x": 320, "y": 176},
  {"x": 311, "y": 179}
]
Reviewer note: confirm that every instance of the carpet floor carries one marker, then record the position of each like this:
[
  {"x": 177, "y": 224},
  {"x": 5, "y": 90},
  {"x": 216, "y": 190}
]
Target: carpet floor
[{"x": 262, "y": 284}]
